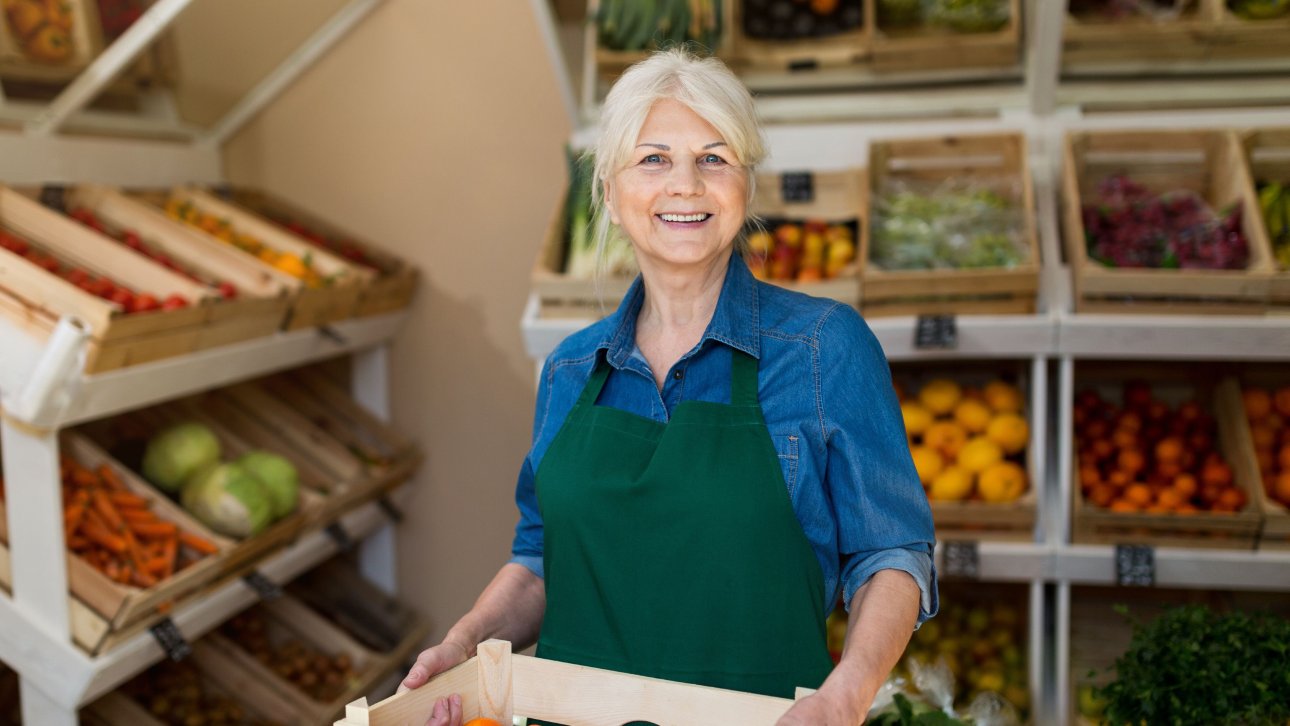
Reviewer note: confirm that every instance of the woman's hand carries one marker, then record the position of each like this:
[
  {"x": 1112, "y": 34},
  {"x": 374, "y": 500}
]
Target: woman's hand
[
  {"x": 433, "y": 661},
  {"x": 447, "y": 712},
  {"x": 819, "y": 709}
]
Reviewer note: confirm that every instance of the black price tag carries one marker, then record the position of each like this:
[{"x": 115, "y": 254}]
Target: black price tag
[
  {"x": 391, "y": 510},
  {"x": 54, "y": 196},
  {"x": 961, "y": 559},
  {"x": 338, "y": 535},
  {"x": 797, "y": 186},
  {"x": 171, "y": 640},
  {"x": 805, "y": 64},
  {"x": 265, "y": 588},
  {"x": 1135, "y": 565},
  {"x": 331, "y": 334},
  {"x": 936, "y": 332}
]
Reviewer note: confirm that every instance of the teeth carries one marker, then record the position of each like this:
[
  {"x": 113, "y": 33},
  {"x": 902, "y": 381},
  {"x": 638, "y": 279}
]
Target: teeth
[{"x": 684, "y": 217}]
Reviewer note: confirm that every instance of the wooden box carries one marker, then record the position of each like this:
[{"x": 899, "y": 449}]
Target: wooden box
[
  {"x": 17, "y": 64},
  {"x": 395, "y": 282},
  {"x": 1092, "y": 524},
  {"x": 924, "y": 48},
  {"x": 108, "y": 610},
  {"x": 1208, "y": 163},
  {"x": 1237, "y": 38},
  {"x": 1275, "y": 534},
  {"x": 799, "y": 55},
  {"x": 1134, "y": 45},
  {"x": 996, "y": 161},
  {"x": 1267, "y": 154},
  {"x": 36, "y": 299},
  {"x": 498, "y": 685}
]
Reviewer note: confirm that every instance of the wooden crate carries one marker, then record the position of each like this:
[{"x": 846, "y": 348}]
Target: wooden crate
[
  {"x": 1208, "y": 163},
  {"x": 15, "y": 64},
  {"x": 602, "y": 66},
  {"x": 1131, "y": 45},
  {"x": 1275, "y": 534},
  {"x": 36, "y": 299},
  {"x": 1211, "y": 530},
  {"x": 998, "y": 159},
  {"x": 496, "y": 684},
  {"x": 797, "y": 56},
  {"x": 339, "y": 592},
  {"x": 1267, "y": 154},
  {"x": 395, "y": 282},
  {"x": 926, "y": 48},
  {"x": 107, "y": 609},
  {"x": 1236, "y": 38}
]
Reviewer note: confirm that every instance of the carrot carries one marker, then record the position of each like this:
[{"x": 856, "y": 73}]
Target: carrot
[
  {"x": 104, "y": 507},
  {"x": 154, "y": 530},
  {"x": 134, "y": 517},
  {"x": 123, "y": 499},
  {"x": 84, "y": 478},
  {"x": 77, "y": 543},
  {"x": 139, "y": 576},
  {"x": 169, "y": 553},
  {"x": 111, "y": 478},
  {"x": 134, "y": 552},
  {"x": 197, "y": 544},
  {"x": 97, "y": 533},
  {"x": 72, "y": 517}
]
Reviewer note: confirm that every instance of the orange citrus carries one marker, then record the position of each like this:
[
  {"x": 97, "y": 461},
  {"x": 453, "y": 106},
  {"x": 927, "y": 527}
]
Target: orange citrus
[
  {"x": 1002, "y": 397},
  {"x": 1003, "y": 481},
  {"x": 1010, "y": 431},
  {"x": 979, "y": 453},
  {"x": 940, "y": 396},
  {"x": 1282, "y": 400},
  {"x": 1139, "y": 494},
  {"x": 972, "y": 414},
  {"x": 946, "y": 437},
  {"x": 1258, "y": 403},
  {"x": 927, "y": 461}
]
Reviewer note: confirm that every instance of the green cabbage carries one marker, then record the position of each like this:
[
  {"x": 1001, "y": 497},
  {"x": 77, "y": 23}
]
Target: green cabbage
[
  {"x": 228, "y": 499},
  {"x": 177, "y": 453},
  {"x": 278, "y": 476}
]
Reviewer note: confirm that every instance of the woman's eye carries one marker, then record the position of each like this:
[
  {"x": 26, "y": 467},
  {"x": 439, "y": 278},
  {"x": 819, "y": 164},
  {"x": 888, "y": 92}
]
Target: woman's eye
[
  {"x": 713, "y": 159},
  {"x": 653, "y": 159}
]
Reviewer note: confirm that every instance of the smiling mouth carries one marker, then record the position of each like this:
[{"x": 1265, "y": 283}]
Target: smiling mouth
[{"x": 685, "y": 218}]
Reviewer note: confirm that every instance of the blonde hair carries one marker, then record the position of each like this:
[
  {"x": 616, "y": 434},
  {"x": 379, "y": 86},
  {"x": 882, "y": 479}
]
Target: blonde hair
[{"x": 705, "y": 85}]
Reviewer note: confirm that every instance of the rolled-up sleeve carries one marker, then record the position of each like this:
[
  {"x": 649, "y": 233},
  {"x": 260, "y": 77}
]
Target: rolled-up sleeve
[
  {"x": 883, "y": 517},
  {"x": 526, "y": 547}
]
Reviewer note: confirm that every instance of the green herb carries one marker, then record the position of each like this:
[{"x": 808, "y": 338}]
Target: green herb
[{"x": 908, "y": 713}]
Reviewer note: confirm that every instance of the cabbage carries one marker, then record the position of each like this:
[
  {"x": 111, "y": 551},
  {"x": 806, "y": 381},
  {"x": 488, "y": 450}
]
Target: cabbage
[
  {"x": 278, "y": 476},
  {"x": 177, "y": 453},
  {"x": 226, "y": 498}
]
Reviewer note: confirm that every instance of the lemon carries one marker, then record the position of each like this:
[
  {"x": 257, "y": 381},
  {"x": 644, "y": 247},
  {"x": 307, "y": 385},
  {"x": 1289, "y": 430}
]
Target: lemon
[
  {"x": 951, "y": 485},
  {"x": 979, "y": 453},
  {"x": 1002, "y": 397},
  {"x": 1002, "y": 482},
  {"x": 917, "y": 418},
  {"x": 1009, "y": 431},
  {"x": 972, "y": 415},
  {"x": 927, "y": 461},
  {"x": 940, "y": 396}
]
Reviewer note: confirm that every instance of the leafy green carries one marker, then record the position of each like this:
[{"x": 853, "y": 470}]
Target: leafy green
[
  {"x": 1192, "y": 665},
  {"x": 909, "y": 714}
]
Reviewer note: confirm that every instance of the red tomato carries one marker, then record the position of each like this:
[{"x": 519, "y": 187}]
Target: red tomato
[
  {"x": 174, "y": 302},
  {"x": 131, "y": 240},
  {"x": 77, "y": 276},
  {"x": 145, "y": 302},
  {"x": 227, "y": 291},
  {"x": 124, "y": 298},
  {"x": 103, "y": 287}
]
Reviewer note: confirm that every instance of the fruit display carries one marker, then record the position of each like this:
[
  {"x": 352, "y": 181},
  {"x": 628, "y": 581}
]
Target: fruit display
[
  {"x": 134, "y": 241},
  {"x": 1274, "y": 201},
  {"x": 1127, "y": 225},
  {"x": 638, "y": 25},
  {"x": 959, "y": 16},
  {"x": 292, "y": 264},
  {"x": 1259, "y": 9},
  {"x": 42, "y": 29},
  {"x": 1268, "y": 413},
  {"x": 797, "y": 19},
  {"x": 342, "y": 247},
  {"x": 129, "y": 301},
  {"x": 956, "y": 224},
  {"x": 1140, "y": 454},
  {"x": 801, "y": 251},
  {"x": 178, "y": 694},
  {"x": 967, "y": 443},
  {"x": 321, "y": 676}
]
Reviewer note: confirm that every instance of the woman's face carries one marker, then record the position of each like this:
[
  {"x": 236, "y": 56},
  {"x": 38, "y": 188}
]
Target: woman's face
[{"x": 681, "y": 198}]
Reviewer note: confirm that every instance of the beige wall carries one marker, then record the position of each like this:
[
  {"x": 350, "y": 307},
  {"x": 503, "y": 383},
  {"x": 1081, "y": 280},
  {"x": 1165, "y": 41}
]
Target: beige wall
[{"x": 436, "y": 128}]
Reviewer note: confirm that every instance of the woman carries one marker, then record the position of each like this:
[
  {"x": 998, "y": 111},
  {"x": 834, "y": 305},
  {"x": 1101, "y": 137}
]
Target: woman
[{"x": 718, "y": 460}]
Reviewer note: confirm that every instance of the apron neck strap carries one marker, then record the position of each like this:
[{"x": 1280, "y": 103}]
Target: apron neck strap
[
  {"x": 743, "y": 378},
  {"x": 597, "y": 381}
]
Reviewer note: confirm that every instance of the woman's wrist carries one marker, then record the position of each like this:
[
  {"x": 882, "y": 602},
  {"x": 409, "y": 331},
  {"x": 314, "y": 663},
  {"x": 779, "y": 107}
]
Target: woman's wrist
[
  {"x": 850, "y": 691},
  {"x": 462, "y": 642}
]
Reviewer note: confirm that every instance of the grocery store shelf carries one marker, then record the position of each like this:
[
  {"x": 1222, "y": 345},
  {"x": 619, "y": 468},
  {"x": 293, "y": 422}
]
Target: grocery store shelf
[
  {"x": 1181, "y": 567},
  {"x": 1006, "y": 561},
  {"x": 1194, "y": 337}
]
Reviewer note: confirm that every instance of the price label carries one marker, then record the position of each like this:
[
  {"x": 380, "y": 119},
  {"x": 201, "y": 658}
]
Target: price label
[
  {"x": 265, "y": 588},
  {"x": 797, "y": 186},
  {"x": 805, "y": 64},
  {"x": 338, "y": 535},
  {"x": 391, "y": 509},
  {"x": 936, "y": 332},
  {"x": 54, "y": 196},
  {"x": 331, "y": 334},
  {"x": 1135, "y": 565},
  {"x": 171, "y": 640},
  {"x": 961, "y": 559}
]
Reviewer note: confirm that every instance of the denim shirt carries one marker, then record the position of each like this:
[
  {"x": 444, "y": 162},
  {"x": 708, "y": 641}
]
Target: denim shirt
[{"x": 826, "y": 396}]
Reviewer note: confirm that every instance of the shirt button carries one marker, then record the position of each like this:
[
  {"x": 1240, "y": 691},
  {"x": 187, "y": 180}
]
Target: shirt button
[{"x": 678, "y": 374}]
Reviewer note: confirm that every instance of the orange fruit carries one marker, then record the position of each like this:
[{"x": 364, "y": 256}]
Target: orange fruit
[
  {"x": 917, "y": 418},
  {"x": 951, "y": 485},
  {"x": 940, "y": 396},
  {"x": 1102, "y": 449},
  {"x": 1119, "y": 479},
  {"x": 481, "y": 721},
  {"x": 1169, "y": 449},
  {"x": 1169, "y": 471},
  {"x": 946, "y": 437},
  {"x": 1281, "y": 399},
  {"x": 1283, "y": 457},
  {"x": 1281, "y": 488},
  {"x": 1101, "y": 495},
  {"x": 1131, "y": 460},
  {"x": 1123, "y": 505},
  {"x": 1089, "y": 476},
  {"x": 1258, "y": 403},
  {"x": 1264, "y": 436},
  {"x": 1003, "y": 397},
  {"x": 979, "y": 453},
  {"x": 1003, "y": 481},
  {"x": 1170, "y": 499},
  {"x": 1186, "y": 485},
  {"x": 1138, "y": 494},
  {"x": 973, "y": 415},
  {"x": 1010, "y": 431},
  {"x": 1124, "y": 439},
  {"x": 1216, "y": 473},
  {"x": 927, "y": 461},
  {"x": 1234, "y": 498}
]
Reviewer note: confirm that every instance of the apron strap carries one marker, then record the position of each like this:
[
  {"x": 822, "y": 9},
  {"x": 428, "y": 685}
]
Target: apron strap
[
  {"x": 591, "y": 391},
  {"x": 743, "y": 379}
]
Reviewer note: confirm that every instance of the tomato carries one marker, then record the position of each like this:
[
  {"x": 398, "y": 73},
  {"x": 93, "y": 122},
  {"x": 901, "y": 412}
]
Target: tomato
[
  {"x": 146, "y": 302},
  {"x": 124, "y": 298},
  {"x": 227, "y": 291},
  {"x": 131, "y": 240},
  {"x": 174, "y": 302}
]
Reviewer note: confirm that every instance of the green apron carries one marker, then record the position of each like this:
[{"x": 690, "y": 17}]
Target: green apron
[{"x": 672, "y": 549}]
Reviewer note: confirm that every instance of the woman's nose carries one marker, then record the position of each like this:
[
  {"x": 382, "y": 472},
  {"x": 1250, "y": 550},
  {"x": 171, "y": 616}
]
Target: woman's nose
[{"x": 684, "y": 181}]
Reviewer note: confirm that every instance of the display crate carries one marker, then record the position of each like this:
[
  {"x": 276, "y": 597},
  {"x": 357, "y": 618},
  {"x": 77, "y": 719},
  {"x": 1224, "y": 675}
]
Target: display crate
[
  {"x": 995, "y": 160},
  {"x": 604, "y": 66},
  {"x": 799, "y": 55},
  {"x": 923, "y": 48},
  {"x": 974, "y": 519},
  {"x": 1267, "y": 152},
  {"x": 1275, "y": 534},
  {"x": 1091, "y": 43},
  {"x": 17, "y": 64},
  {"x": 1239, "y": 38},
  {"x": 113, "y": 609},
  {"x": 36, "y": 298},
  {"x": 1207, "y": 163},
  {"x": 395, "y": 282},
  {"x": 1093, "y": 524},
  {"x": 339, "y": 592}
]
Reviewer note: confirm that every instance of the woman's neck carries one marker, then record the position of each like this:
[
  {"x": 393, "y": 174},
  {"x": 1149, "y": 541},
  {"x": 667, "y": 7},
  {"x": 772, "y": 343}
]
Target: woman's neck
[{"x": 676, "y": 311}]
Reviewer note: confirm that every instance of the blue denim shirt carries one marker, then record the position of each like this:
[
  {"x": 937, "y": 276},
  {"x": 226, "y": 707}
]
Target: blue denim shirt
[{"x": 826, "y": 395}]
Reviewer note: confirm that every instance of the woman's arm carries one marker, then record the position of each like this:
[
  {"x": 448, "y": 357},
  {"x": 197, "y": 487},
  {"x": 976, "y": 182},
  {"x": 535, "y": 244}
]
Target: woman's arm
[{"x": 883, "y": 613}]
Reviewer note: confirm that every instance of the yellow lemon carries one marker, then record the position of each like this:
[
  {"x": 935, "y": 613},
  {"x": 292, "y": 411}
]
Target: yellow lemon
[
  {"x": 1002, "y": 482},
  {"x": 946, "y": 437},
  {"x": 951, "y": 485},
  {"x": 979, "y": 453},
  {"x": 1010, "y": 431},
  {"x": 940, "y": 396},
  {"x": 917, "y": 418},
  {"x": 972, "y": 415},
  {"x": 1002, "y": 397},
  {"x": 928, "y": 462}
]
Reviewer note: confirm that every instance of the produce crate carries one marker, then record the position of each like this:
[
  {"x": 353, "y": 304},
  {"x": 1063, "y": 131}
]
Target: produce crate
[
  {"x": 973, "y": 518},
  {"x": 395, "y": 282},
  {"x": 563, "y": 295},
  {"x": 923, "y": 48},
  {"x": 28, "y": 19},
  {"x": 209, "y": 669},
  {"x": 496, "y": 684},
  {"x": 1208, "y": 163},
  {"x": 1235, "y": 37},
  {"x": 36, "y": 298},
  {"x": 995, "y": 161},
  {"x": 1267, "y": 153},
  {"x": 1132, "y": 45},
  {"x": 108, "y": 610},
  {"x": 602, "y": 66},
  {"x": 1275, "y": 534},
  {"x": 1092, "y": 524},
  {"x": 339, "y": 592},
  {"x": 804, "y": 54}
]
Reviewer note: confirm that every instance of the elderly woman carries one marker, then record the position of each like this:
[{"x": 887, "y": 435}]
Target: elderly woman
[{"x": 717, "y": 461}]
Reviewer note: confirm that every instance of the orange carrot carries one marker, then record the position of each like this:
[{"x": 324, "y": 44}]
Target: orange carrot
[
  {"x": 104, "y": 507},
  {"x": 169, "y": 552},
  {"x": 84, "y": 478},
  {"x": 154, "y": 530},
  {"x": 134, "y": 517},
  {"x": 134, "y": 552},
  {"x": 197, "y": 544},
  {"x": 125, "y": 499},
  {"x": 140, "y": 577},
  {"x": 75, "y": 543},
  {"x": 97, "y": 533},
  {"x": 111, "y": 478},
  {"x": 72, "y": 517}
]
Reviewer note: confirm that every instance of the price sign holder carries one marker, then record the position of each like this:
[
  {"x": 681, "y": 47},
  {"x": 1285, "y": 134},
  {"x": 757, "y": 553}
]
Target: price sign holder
[
  {"x": 54, "y": 196},
  {"x": 962, "y": 559},
  {"x": 263, "y": 587},
  {"x": 936, "y": 332},
  {"x": 338, "y": 535},
  {"x": 172, "y": 642},
  {"x": 1135, "y": 565},
  {"x": 797, "y": 187},
  {"x": 391, "y": 509}
]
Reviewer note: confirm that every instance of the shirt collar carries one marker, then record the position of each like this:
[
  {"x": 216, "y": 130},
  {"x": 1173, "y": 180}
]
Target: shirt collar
[{"x": 735, "y": 322}]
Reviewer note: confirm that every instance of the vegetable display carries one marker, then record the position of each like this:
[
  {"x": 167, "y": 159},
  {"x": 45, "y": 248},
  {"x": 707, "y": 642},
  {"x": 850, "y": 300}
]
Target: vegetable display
[
  {"x": 1127, "y": 225},
  {"x": 959, "y": 16},
  {"x": 801, "y": 251},
  {"x": 1122, "y": 10},
  {"x": 1259, "y": 9},
  {"x": 955, "y": 224},
  {"x": 42, "y": 29},
  {"x": 178, "y": 695},
  {"x": 579, "y": 241},
  {"x": 1274, "y": 201},
  {"x": 321, "y": 676},
  {"x": 796, "y": 19},
  {"x": 638, "y": 25},
  {"x": 340, "y": 246},
  {"x": 1268, "y": 413},
  {"x": 294, "y": 265}
]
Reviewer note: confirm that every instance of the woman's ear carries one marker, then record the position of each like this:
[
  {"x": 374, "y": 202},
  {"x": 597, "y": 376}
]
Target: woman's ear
[{"x": 609, "y": 201}]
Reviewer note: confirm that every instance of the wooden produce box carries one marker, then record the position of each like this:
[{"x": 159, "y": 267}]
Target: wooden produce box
[
  {"x": 602, "y": 66},
  {"x": 498, "y": 685},
  {"x": 109, "y": 610},
  {"x": 220, "y": 680},
  {"x": 799, "y": 55},
  {"x": 1237, "y": 38},
  {"x": 995, "y": 161},
  {"x": 1276, "y": 516},
  {"x": 1133, "y": 45},
  {"x": 395, "y": 282},
  {"x": 30, "y": 39},
  {"x": 1208, "y": 163},
  {"x": 339, "y": 592},
  {"x": 974, "y": 518},
  {"x": 562, "y": 295},
  {"x": 926, "y": 48},
  {"x": 1092, "y": 524},
  {"x": 36, "y": 298},
  {"x": 1267, "y": 154}
]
